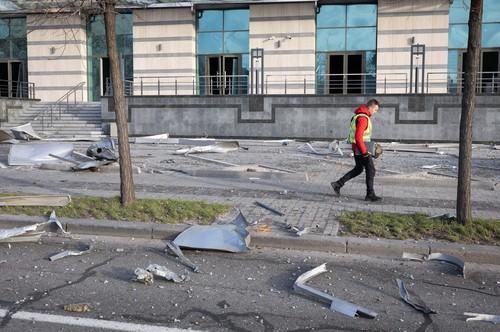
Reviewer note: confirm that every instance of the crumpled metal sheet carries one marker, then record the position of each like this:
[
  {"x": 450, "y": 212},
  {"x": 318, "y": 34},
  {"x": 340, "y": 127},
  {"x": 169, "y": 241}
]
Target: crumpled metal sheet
[
  {"x": 25, "y": 132},
  {"x": 162, "y": 271},
  {"x": 36, "y": 154},
  {"x": 178, "y": 252},
  {"x": 67, "y": 253},
  {"x": 455, "y": 261},
  {"x": 103, "y": 150},
  {"x": 218, "y": 147},
  {"x": 413, "y": 300},
  {"x": 495, "y": 319},
  {"x": 92, "y": 165},
  {"x": 31, "y": 232},
  {"x": 336, "y": 304},
  {"x": 223, "y": 236}
]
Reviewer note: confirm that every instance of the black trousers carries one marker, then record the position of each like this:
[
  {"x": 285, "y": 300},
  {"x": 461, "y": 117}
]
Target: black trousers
[{"x": 365, "y": 163}]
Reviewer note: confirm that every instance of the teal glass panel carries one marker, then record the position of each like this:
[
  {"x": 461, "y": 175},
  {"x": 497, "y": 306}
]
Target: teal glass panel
[
  {"x": 245, "y": 64},
  {"x": 18, "y": 28},
  {"x": 209, "y": 42},
  {"x": 371, "y": 69},
  {"x": 459, "y": 11},
  {"x": 210, "y": 20},
  {"x": 99, "y": 46},
  {"x": 4, "y": 28},
  {"x": 457, "y": 36},
  {"x": 330, "y": 39},
  {"x": 4, "y": 49},
  {"x": 236, "y": 42},
  {"x": 361, "y": 15},
  {"x": 97, "y": 25},
  {"x": 19, "y": 48},
  {"x": 490, "y": 35},
  {"x": 201, "y": 73},
  {"x": 331, "y": 16},
  {"x": 236, "y": 19},
  {"x": 491, "y": 11},
  {"x": 359, "y": 39},
  {"x": 452, "y": 70},
  {"x": 124, "y": 24},
  {"x": 320, "y": 73}
]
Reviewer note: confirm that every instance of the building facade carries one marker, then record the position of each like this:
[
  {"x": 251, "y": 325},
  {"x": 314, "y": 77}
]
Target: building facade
[{"x": 242, "y": 47}]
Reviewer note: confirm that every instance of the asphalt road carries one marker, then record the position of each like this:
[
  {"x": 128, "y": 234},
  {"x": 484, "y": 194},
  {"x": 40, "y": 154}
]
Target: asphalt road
[{"x": 235, "y": 292}]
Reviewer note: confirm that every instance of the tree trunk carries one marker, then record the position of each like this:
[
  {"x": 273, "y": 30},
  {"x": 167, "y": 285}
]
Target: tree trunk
[
  {"x": 126, "y": 180},
  {"x": 464, "y": 209}
]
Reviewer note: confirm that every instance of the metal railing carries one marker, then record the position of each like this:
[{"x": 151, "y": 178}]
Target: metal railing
[
  {"x": 17, "y": 89},
  {"x": 319, "y": 84},
  {"x": 453, "y": 82},
  {"x": 62, "y": 104}
]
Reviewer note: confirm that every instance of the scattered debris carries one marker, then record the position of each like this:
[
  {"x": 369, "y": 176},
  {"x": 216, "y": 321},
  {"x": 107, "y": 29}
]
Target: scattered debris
[
  {"x": 277, "y": 168},
  {"x": 91, "y": 165},
  {"x": 38, "y": 200},
  {"x": 154, "y": 139},
  {"x": 103, "y": 150},
  {"x": 438, "y": 167},
  {"x": 211, "y": 160},
  {"x": 298, "y": 231},
  {"x": 495, "y": 319},
  {"x": 445, "y": 216},
  {"x": 218, "y": 147},
  {"x": 36, "y": 154},
  {"x": 225, "y": 235},
  {"x": 143, "y": 276},
  {"x": 415, "y": 301},
  {"x": 67, "y": 253},
  {"x": 336, "y": 304},
  {"x": 178, "y": 252},
  {"x": 31, "y": 233},
  {"x": 162, "y": 271},
  {"x": 23, "y": 132},
  {"x": 77, "y": 307},
  {"x": 267, "y": 207},
  {"x": 455, "y": 261},
  {"x": 308, "y": 148},
  {"x": 264, "y": 228}
]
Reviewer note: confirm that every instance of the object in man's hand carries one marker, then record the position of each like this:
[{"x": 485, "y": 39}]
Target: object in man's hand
[{"x": 378, "y": 151}]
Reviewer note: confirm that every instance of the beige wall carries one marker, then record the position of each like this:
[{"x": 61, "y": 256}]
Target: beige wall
[
  {"x": 164, "y": 45},
  {"x": 287, "y": 33},
  {"x": 398, "y": 21},
  {"x": 57, "y": 55}
]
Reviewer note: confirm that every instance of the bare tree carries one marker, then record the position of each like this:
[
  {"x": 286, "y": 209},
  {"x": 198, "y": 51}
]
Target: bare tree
[
  {"x": 126, "y": 178},
  {"x": 61, "y": 8},
  {"x": 464, "y": 210}
]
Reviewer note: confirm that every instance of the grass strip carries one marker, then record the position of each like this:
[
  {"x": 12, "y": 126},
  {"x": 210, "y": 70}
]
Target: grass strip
[
  {"x": 167, "y": 211},
  {"x": 418, "y": 227}
]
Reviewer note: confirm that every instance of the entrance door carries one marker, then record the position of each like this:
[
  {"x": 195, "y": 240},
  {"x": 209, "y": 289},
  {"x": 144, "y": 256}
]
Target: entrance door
[
  {"x": 345, "y": 73},
  {"x": 12, "y": 79},
  {"x": 221, "y": 75},
  {"x": 490, "y": 80}
]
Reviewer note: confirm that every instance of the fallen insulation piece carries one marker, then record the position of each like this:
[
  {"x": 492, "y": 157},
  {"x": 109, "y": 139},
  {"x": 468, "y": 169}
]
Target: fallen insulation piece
[
  {"x": 336, "y": 304},
  {"x": 69, "y": 253},
  {"x": 455, "y": 261},
  {"x": 162, "y": 271},
  {"x": 178, "y": 252},
  {"x": 35, "y": 200},
  {"x": 218, "y": 147},
  {"x": 154, "y": 139},
  {"x": 415, "y": 301},
  {"x": 267, "y": 207},
  {"x": 495, "y": 319},
  {"x": 143, "y": 276},
  {"x": 224, "y": 235},
  {"x": 25, "y": 132}
]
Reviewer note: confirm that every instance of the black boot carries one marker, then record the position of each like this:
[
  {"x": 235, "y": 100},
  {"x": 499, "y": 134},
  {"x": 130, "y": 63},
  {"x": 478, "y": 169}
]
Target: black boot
[
  {"x": 372, "y": 198},
  {"x": 336, "y": 187}
]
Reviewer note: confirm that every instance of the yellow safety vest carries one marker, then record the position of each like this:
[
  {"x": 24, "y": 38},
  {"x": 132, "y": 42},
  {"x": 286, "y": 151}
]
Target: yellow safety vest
[{"x": 367, "y": 135}]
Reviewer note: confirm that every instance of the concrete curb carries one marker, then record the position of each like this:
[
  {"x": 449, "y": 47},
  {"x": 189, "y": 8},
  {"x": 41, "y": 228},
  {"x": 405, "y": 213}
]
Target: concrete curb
[{"x": 346, "y": 245}]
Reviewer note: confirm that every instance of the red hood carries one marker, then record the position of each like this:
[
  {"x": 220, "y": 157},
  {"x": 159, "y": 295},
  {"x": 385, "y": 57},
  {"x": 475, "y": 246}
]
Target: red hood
[{"x": 362, "y": 110}]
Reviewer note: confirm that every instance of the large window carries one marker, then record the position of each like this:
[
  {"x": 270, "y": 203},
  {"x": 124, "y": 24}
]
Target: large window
[
  {"x": 222, "y": 51},
  {"x": 346, "y": 48},
  {"x": 490, "y": 44},
  {"x": 98, "y": 61},
  {"x": 13, "y": 55}
]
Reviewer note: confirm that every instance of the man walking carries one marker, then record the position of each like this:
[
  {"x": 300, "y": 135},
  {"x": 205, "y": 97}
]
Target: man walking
[{"x": 359, "y": 133}]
